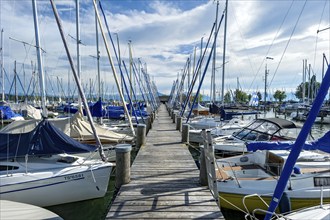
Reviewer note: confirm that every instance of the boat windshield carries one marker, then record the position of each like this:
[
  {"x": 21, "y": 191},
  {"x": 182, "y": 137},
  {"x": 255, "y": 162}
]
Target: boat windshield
[{"x": 257, "y": 131}]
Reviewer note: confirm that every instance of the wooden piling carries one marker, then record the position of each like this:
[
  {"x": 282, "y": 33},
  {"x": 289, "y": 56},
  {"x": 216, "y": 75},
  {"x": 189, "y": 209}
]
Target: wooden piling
[
  {"x": 179, "y": 123},
  {"x": 141, "y": 135},
  {"x": 123, "y": 164},
  {"x": 185, "y": 133}
]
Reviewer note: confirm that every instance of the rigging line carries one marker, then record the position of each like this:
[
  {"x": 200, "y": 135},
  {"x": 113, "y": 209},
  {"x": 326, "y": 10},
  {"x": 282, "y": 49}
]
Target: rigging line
[
  {"x": 286, "y": 47},
  {"x": 276, "y": 35},
  {"x": 317, "y": 32}
]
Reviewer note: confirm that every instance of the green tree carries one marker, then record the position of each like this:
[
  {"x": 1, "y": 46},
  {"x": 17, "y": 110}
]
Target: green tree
[
  {"x": 200, "y": 97},
  {"x": 279, "y": 95},
  {"x": 240, "y": 96},
  {"x": 313, "y": 86},
  {"x": 227, "y": 97}
]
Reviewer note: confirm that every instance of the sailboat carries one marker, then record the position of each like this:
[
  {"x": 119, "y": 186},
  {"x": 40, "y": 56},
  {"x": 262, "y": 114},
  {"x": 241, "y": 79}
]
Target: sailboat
[{"x": 37, "y": 166}]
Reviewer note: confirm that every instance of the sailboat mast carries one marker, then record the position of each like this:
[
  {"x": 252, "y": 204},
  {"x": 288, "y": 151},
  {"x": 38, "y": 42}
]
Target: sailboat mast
[
  {"x": 113, "y": 69},
  {"x": 15, "y": 83},
  {"x": 80, "y": 89},
  {"x": 40, "y": 64},
  {"x": 98, "y": 57},
  {"x": 2, "y": 64},
  {"x": 119, "y": 61},
  {"x": 214, "y": 56},
  {"x": 78, "y": 49},
  {"x": 130, "y": 73},
  {"x": 224, "y": 57}
]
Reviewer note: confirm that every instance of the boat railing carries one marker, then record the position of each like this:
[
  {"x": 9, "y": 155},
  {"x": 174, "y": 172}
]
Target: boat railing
[
  {"x": 264, "y": 212},
  {"x": 255, "y": 210},
  {"x": 275, "y": 215}
]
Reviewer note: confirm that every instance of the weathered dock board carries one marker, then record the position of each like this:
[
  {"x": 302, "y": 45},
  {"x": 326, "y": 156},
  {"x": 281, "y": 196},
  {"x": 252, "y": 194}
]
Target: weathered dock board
[{"x": 164, "y": 180}]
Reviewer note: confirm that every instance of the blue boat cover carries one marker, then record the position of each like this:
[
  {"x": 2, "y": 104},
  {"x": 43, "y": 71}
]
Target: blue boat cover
[
  {"x": 95, "y": 109},
  {"x": 45, "y": 139},
  {"x": 7, "y": 113},
  {"x": 322, "y": 144}
]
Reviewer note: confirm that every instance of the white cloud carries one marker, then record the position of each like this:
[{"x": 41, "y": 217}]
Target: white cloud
[{"x": 164, "y": 35}]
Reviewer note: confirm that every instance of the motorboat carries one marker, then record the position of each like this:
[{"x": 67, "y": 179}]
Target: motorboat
[
  {"x": 225, "y": 128},
  {"x": 262, "y": 129},
  {"x": 246, "y": 182}
]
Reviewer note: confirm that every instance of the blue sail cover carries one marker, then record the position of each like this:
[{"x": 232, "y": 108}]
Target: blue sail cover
[
  {"x": 70, "y": 109},
  {"x": 7, "y": 113},
  {"x": 322, "y": 144},
  {"x": 45, "y": 139},
  {"x": 95, "y": 109},
  {"x": 114, "y": 112}
]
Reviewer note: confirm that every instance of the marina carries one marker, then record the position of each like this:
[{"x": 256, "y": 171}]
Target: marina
[{"x": 162, "y": 110}]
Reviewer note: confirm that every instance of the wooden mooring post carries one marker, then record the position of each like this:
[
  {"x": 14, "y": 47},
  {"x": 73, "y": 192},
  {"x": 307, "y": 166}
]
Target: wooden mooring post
[
  {"x": 185, "y": 133},
  {"x": 141, "y": 135},
  {"x": 123, "y": 164}
]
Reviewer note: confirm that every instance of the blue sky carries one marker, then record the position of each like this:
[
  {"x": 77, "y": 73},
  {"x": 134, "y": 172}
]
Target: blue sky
[{"x": 163, "y": 35}]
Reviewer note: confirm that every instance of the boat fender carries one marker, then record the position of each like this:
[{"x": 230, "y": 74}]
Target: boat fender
[
  {"x": 285, "y": 203},
  {"x": 244, "y": 159}
]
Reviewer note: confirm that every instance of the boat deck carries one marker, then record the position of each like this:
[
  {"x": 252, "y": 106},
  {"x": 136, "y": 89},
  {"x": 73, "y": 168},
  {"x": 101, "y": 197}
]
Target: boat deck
[{"x": 164, "y": 180}]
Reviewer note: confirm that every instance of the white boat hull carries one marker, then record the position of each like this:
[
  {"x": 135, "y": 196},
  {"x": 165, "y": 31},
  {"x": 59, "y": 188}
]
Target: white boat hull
[{"x": 57, "y": 185}]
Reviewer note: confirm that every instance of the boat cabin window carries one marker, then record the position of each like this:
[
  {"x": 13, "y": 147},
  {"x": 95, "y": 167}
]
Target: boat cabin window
[
  {"x": 6, "y": 167},
  {"x": 246, "y": 135}
]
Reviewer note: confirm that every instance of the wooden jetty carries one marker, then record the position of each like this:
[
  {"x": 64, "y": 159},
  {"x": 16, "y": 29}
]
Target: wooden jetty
[{"x": 164, "y": 180}]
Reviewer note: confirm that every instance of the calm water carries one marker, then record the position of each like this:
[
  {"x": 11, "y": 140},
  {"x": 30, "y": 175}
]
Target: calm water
[{"x": 94, "y": 209}]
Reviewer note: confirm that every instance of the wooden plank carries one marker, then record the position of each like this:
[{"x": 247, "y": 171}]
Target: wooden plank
[
  {"x": 164, "y": 180},
  {"x": 162, "y": 200},
  {"x": 164, "y": 215},
  {"x": 170, "y": 207}
]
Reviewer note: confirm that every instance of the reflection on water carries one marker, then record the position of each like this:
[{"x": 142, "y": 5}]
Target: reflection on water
[{"x": 94, "y": 209}]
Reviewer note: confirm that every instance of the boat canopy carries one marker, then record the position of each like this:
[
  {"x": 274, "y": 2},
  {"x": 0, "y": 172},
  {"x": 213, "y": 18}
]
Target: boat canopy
[
  {"x": 44, "y": 139},
  {"x": 322, "y": 144},
  {"x": 282, "y": 123}
]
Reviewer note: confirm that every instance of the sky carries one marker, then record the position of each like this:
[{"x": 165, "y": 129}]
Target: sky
[{"x": 163, "y": 35}]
